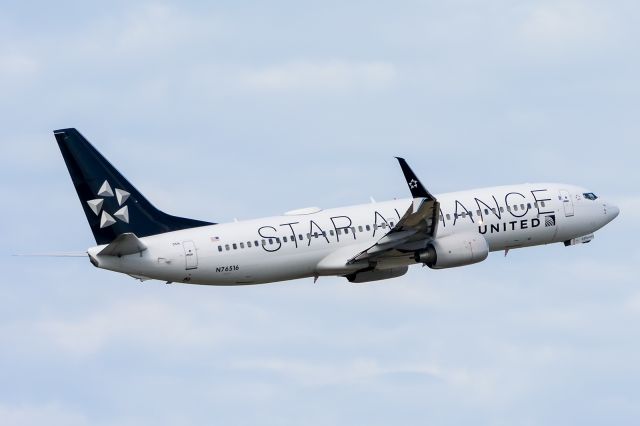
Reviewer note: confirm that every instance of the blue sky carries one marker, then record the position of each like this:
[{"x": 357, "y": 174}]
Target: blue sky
[{"x": 241, "y": 110}]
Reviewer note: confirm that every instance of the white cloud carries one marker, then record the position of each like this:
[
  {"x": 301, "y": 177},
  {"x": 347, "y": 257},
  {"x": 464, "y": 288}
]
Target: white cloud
[
  {"x": 17, "y": 64},
  {"x": 565, "y": 23},
  {"x": 37, "y": 415},
  {"x": 318, "y": 76},
  {"x": 161, "y": 26},
  {"x": 139, "y": 322},
  {"x": 358, "y": 370}
]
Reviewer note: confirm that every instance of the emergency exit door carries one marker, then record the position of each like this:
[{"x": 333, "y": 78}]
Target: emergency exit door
[{"x": 190, "y": 255}]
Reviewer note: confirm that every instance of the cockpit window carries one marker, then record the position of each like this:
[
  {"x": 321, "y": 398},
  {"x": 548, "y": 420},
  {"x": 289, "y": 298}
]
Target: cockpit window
[{"x": 590, "y": 196}]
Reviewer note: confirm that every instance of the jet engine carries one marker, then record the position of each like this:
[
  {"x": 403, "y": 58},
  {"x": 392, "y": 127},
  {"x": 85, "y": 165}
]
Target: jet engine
[
  {"x": 454, "y": 250},
  {"x": 377, "y": 274}
]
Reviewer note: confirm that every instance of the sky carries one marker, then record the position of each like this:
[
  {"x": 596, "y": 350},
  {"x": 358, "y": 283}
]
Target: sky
[{"x": 224, "y": 110}]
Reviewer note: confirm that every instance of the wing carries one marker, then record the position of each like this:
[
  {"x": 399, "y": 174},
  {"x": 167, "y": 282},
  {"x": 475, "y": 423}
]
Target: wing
[{"x": 418, "y": 224}]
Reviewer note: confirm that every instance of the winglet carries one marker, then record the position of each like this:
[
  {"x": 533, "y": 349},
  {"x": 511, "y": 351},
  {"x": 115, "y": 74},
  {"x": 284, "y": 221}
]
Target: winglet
[{"x": 415, "y": 186}]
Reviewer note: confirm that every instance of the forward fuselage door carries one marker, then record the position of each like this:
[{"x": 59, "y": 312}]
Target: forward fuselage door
[
  {"x": 190, "y": 255},
  {"x": 567, "y": 202}
]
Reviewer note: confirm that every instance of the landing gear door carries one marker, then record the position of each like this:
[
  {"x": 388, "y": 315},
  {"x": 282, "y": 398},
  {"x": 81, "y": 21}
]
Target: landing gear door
[
  {"x": 190, "y": 255},
  {"x": 567, "y": 203}
]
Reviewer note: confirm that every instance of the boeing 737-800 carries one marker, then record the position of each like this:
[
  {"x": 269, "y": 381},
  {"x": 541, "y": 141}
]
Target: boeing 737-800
[{"x": 363, "y": 243}]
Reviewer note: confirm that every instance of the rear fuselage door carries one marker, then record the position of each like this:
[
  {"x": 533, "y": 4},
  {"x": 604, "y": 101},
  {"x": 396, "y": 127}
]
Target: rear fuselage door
[
  {"x": 567, "y": 203},
  {"x": 190, "y": 255}
]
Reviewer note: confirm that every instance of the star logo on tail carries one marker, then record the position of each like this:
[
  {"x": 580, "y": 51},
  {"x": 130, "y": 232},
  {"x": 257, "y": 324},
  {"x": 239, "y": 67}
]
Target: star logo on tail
[
  {"x": 413, "y": 184},
  {"x": 96, "y": 205}
]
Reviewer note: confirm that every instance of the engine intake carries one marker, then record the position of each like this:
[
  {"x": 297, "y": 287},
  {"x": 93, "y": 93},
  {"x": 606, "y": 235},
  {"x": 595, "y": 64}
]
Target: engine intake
[{"x": 454, "y": 250}]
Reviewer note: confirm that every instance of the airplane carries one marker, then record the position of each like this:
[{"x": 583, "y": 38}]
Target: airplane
[{"x": 363, "y": 243}]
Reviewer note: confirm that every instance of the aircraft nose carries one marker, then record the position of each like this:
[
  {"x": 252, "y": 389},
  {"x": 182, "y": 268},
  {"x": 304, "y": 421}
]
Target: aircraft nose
[{"x": 612, "y": 210}]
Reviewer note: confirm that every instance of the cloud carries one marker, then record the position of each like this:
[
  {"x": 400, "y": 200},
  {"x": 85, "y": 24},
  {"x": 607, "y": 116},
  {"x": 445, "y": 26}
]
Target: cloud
[
  {"x": 16, "y": 64},
  {"x": 307, "y": 373},
  {"x": 158, "y": 26},
  {"x": 319, "y": 76},
  {"x": 564, "y": 24},
  {"x": 36, "y": 415},
  {"x": 143, "y": 323}
]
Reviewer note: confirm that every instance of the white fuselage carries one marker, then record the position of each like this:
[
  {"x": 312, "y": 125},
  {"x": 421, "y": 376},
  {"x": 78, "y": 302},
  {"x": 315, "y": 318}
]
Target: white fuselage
[{"x": 292, "y": 246}]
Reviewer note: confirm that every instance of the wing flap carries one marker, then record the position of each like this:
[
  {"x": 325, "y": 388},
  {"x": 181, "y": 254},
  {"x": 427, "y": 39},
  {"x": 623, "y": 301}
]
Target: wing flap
[{"x": 419, "y": 223}]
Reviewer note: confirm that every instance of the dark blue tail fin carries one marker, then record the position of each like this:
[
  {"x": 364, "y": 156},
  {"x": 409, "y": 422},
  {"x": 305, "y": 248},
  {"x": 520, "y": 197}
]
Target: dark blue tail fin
[{"x": 112, "y": 205}]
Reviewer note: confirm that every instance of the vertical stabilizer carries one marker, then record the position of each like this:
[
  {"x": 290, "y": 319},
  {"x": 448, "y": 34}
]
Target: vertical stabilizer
[{"x": 112, "y": 205}]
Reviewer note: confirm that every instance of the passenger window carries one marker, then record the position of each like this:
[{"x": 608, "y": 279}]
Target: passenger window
[
  {"x": 486, "y": 211},
  {"x": 226, "y": 247},
  {"x": 235, "y": 246},
  {"x": 522, "y": 206},
  {"x": 448, "y": 216},
  {"x": 256, "y": 243},
  {"x": 384, "y": 225},
  {"x": 360, "y": 228},
  {"x": 264, "y": 242},
  {"x": 515, "y": 208},
  {"x": 463, "y": 214},
  {"x": 308, "y": 236},
  {"x": 300, "y": 237},
  {"x": 241, "y": 245},
  {"x": 331, "y": 232},
  {"x": 542, "y": 203},
  {"x": 284, "y": 239},
  {"x": 501, "y": 209},
  {"x": 528, "y": 205},
  {"x": 249, "y": 244},
  {"x": 270, "y": 241},
  {"x": 493, "y": 210},
  {"x": 353, "y": 230},
  {"x": 339, "y": 231},
  {"x": 391, "y": 224},
  {"x": 346, "y": 230},
  {"x": 509, "y": 209},
  {"x": 478, "y": 213},
  {"x": 368, "y": 228},
  {"x": 219, "y": 248}
]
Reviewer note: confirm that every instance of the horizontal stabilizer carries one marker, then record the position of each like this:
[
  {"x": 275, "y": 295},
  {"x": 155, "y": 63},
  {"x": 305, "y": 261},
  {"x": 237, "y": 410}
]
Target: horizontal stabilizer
[{"x": 124, "y": 244}]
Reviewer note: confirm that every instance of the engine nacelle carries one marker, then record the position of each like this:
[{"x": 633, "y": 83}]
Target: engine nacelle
[
  {"x": 454, "y": 250},
  {"x": 377, "y": 274}
]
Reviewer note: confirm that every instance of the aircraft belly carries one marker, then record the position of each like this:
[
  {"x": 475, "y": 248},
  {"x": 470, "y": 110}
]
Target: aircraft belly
[{"x": 263, "y": 268}]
